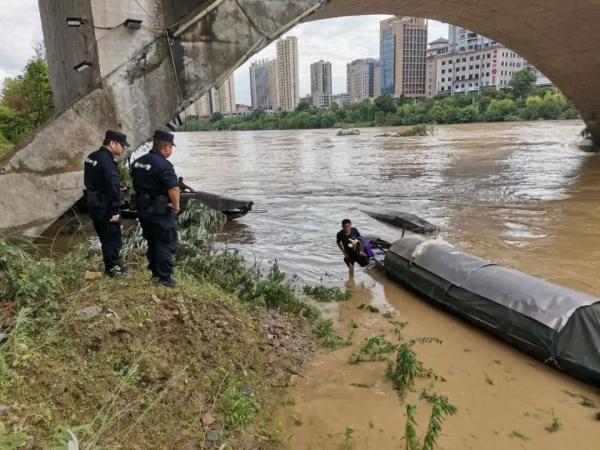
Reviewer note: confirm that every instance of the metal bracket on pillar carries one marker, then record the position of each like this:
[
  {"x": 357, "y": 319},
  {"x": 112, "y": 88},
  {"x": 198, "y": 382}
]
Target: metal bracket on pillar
[{"x": 175, "y": 123}]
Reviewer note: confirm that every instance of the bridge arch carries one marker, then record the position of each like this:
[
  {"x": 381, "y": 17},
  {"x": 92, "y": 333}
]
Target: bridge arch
[{"x": 140, "y": 79}]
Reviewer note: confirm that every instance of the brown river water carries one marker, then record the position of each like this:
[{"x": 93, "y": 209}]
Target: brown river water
[{"x": 521, "y": 194}]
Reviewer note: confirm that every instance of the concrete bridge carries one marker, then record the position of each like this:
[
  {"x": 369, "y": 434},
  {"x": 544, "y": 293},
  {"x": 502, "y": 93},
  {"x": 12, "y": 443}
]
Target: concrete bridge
[{"x": 139, "y": 79}]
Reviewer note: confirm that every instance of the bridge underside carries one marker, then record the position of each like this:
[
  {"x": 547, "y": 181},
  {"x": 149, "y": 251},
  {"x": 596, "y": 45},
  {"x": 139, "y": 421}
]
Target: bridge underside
[{"x": 140, "y": 79}]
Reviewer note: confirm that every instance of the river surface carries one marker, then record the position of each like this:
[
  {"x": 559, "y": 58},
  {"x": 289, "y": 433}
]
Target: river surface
[{"x": 522, "y": 195}]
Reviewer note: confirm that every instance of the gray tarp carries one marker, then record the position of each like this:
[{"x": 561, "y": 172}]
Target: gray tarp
[{"x": 551, "y": 322}]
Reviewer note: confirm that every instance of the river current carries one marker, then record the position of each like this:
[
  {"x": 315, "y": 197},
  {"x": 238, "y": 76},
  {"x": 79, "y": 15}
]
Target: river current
[{"x": 520, "y": 194}]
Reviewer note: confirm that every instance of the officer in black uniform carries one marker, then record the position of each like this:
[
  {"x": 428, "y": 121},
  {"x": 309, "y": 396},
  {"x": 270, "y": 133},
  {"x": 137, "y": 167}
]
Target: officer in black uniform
[
  {"x": 103, "y": 191},
  {"x": 158, "y": 193}
]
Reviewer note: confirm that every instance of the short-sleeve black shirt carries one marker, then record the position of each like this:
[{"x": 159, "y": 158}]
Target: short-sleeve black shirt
[
  {"x": 154, "y": 175},
  {"x": 342, "y": 239},
  {"x": 101, "y": 174}
]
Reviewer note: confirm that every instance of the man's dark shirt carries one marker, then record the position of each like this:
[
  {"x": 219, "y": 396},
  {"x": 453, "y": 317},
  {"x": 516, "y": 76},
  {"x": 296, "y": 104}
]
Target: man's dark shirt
[
  {"x": 343, "y": 240},
  {"x": 154, "y": 175},
  {"x": 101, "y": 175}
]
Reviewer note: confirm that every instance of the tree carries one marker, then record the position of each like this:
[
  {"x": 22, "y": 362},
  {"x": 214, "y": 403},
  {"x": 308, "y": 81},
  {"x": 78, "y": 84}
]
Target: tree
[
  {"x": 303, "y": 106},
  {"x": 522, "y": 84},
  {"x": 37, "y": 91},
  {"x": 499, "y": 110},
  {"x": 216, "y": 117},
  {"x": 385, "y": 103}
]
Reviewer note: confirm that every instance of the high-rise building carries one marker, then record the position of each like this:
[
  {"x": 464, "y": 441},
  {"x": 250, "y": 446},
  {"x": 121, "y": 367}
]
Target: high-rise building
[
  {"x": 403, "y": 53},
  {"x": 363, "y": 79},
  {"x": 260, "y": 85},
  {"x": 288, "y": 80},
  {"x": 436, "y": 48},
  {"x": 273, "y": 88},
  {"x": 219, "y": 99},
  {"x": 320, "y": 84},
  {"x": 463, "y": 40},
  {"x": 341, "y": 99}
]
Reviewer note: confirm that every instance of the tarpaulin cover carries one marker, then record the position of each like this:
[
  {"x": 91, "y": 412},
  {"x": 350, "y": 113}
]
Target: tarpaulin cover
[{"x": 549, "y": 321}]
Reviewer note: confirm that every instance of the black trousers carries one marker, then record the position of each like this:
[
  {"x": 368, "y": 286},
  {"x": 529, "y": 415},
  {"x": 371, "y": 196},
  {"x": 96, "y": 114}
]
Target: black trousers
[
  {"x": 111, "y": 241},
  {"x": 162, "y": 242}
]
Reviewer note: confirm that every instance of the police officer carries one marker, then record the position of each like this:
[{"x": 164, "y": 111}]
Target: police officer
[
  {"x": 157, "y": 190},
  {"x": 103, "y": 191}
]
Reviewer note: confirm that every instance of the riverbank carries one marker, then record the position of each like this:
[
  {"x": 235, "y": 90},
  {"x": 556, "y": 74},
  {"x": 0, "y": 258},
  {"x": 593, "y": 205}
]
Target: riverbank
[
  {"x": 490, "y": 106},
  {"x": 126, "y": 364}
]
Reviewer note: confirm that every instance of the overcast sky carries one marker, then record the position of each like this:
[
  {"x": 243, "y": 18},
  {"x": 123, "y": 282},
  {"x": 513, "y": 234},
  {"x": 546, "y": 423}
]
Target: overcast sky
[{"x": 338, "y": 41}]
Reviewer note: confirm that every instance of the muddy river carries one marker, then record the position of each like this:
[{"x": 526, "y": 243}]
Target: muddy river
[{"x": 520, "y": 194}]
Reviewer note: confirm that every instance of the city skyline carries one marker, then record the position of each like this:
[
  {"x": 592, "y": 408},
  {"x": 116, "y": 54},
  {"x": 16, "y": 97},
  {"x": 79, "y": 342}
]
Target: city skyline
[{"x": 339, "y": 41}]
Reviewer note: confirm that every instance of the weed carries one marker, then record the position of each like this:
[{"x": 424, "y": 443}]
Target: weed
[
  {"x": 407, "y": 368},
  {"x": 398, "y": 327},
  {"x": 325, "y": 294},
  {"x": 373, "y": 349},
  {"x": 369, "y": 308},
  {"x": 324, "y": 329},
  {"x": 588, "y": 403},
  {"x": 441, "y": 408},
  {"x": 418, "y": 130},
  {"x": 555, "y": 425},
  {"x": 10, "y": 441},
  {"x": 348, "y": 438},
  {"x": 519, "y": 435}
]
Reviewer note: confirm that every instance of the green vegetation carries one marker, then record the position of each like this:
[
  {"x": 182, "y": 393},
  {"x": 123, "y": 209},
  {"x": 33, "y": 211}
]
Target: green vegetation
[
  {"x": 115, "y": 363},
  {"x": 25, "y": 102},
  {"x": 440, "y": 410},
  {"x": 555, "y": 425},
  {"x": 418, "y": 130},
  {"x": 377, "y": 348},
  {"x": 523, "y": 101},
  {"x": 407, "y": 368},
  {"x": 323, "y": 329},
  {"x": 325, "y": 294},
  {"x": 370, "y": 308}
]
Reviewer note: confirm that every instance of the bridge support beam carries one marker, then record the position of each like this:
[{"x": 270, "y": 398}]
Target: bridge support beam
[{"x": 144, "y": 84}]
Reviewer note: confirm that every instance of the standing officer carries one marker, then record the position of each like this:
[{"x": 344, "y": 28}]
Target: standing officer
[
  {"x": 103, "y": 190},
  {"x": 157, "y": 190}
]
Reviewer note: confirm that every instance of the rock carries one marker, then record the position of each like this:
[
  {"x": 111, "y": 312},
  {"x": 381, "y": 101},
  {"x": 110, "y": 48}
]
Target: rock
[
  {"x": 90, "y": 276},
  {"x": 60, "y": 388},
  {"x": 247, "y": 389},
  {"x": 3, "y": 338},
  {"x": 4, "y": 410},
  {"x": 208, "y": 419},
  {"x": 90, "y": 313},
  {"x": 212, "y": 437}
]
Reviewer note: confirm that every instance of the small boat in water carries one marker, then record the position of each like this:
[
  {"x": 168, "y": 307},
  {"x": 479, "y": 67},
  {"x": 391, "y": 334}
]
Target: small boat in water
[
  {"x": 556, "y": 325},
  {"x": 406, "y": 221},
  {"x": 232, "y": 208}
]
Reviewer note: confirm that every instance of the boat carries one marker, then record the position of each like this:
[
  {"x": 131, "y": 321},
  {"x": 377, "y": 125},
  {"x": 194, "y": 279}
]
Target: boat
[
  {"x": 556, "y": 325},
  {"x": 232, "y": 208},
  {"x": 406, "y": 221},
  {"x": 349, "y": 132}
]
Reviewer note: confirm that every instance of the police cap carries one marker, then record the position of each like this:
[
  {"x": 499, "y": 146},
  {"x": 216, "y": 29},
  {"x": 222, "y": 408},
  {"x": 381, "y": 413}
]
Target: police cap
[
  {"x": 164, "y": 136},
  {"x": 116, "y": 137}
]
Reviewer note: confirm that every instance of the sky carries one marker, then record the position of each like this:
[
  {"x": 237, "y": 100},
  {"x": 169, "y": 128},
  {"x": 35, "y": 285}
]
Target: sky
[{"x": 338, "y": 41}]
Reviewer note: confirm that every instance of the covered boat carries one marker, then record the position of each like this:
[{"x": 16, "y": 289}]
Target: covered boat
[{"x": 557, "y": 325}]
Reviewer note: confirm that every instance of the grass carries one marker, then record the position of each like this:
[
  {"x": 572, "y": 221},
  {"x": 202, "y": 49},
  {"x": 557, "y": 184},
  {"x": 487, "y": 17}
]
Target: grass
[
  {"x": 325, "y": 295},
  {"x": 154, "y": 362},
  {"x": 406, "y": 367},
  {"x": 555, "y": 425},
  {"x": 323, "y": 329},
  {"x": 441, "y": 408},
  {"x": 370, "y": 308},
  {"x": 377, "y": 348}
]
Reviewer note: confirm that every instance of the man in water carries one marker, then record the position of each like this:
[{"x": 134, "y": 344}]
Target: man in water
[{"x": 352, "y": 245}]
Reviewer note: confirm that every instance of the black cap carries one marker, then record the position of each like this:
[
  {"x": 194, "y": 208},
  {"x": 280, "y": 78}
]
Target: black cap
[
  {"x": 117, "y": 137},
  {"x": 164, "y": 136}
]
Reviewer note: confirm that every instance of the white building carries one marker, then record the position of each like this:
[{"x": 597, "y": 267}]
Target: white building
[
  {"x": 288, "y": 80},
  {"x": 341, "y": 99},
  {"x": 220, "y": 99}
]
